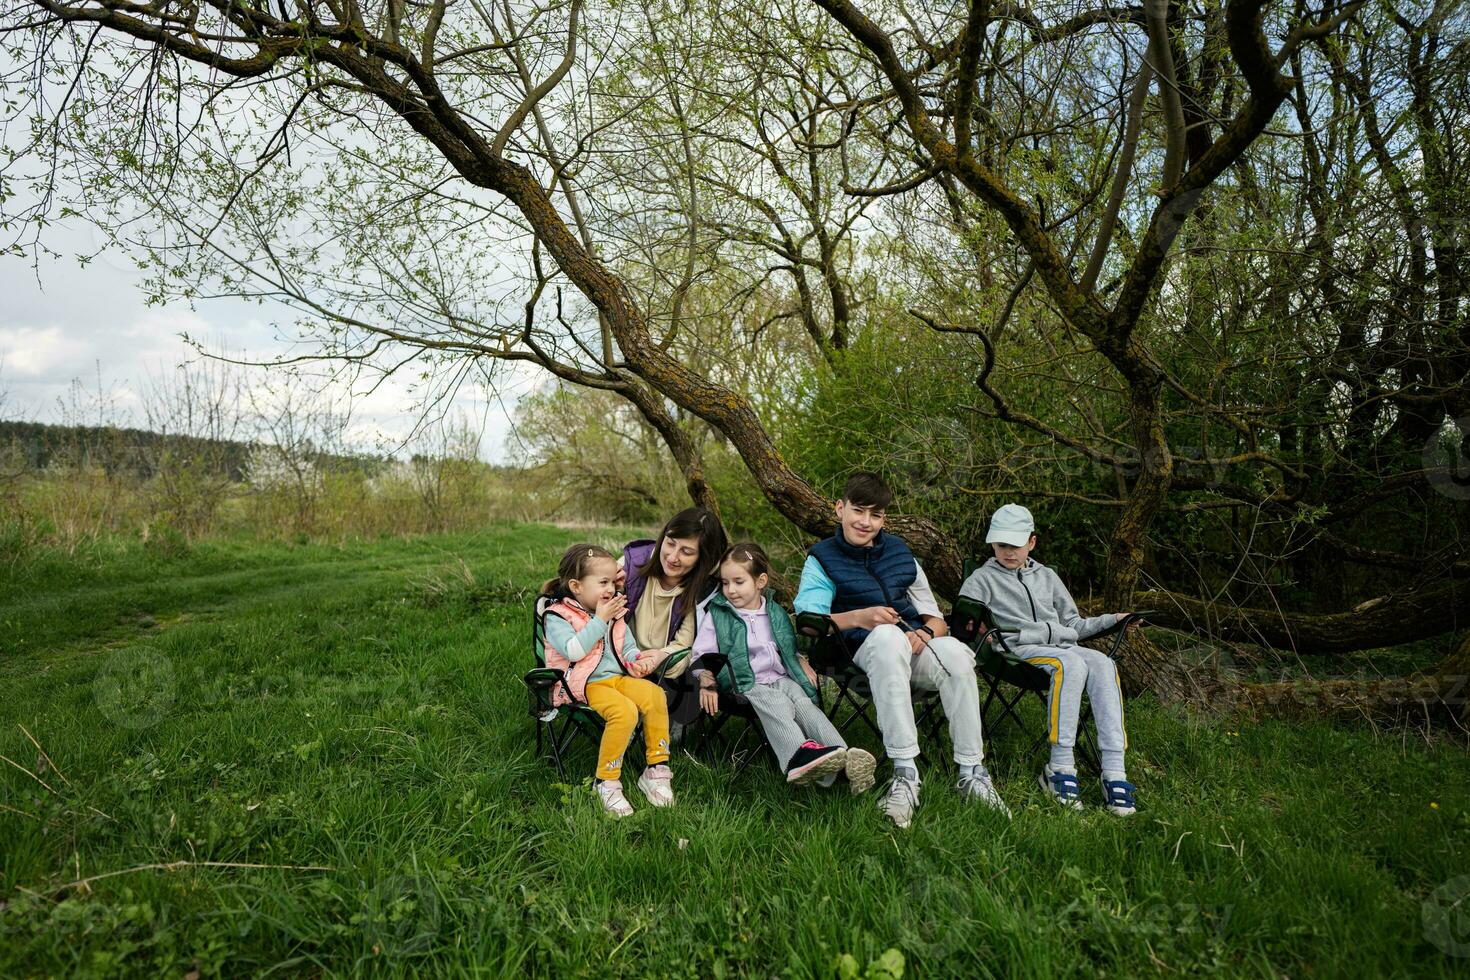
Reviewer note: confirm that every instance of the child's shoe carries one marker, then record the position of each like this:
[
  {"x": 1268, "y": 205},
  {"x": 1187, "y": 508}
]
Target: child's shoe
[
  {"x": 1118, "y": 797},
  {"x": 610, "y": 791},
  {"x": 812, "y": 762},
  {"x": 860, "y": 769},
  {"x": 656, "y": 785},
  {"x": 1062, "y": 786},
  {"x": 975, "y": 784}
]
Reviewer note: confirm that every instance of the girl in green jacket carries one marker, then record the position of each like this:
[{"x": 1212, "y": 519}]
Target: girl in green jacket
[{"x": 743, "y": 623}]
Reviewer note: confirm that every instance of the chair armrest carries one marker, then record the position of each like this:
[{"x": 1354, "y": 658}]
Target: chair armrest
[
  {"x": 674, "y": 658},
  {"x": 966, "y": 620},
  {"x": 544, "y": 677},
  {"x": 1120, "y": 629},
  {"x": 712, "y": 662},
  {"x": 541, "y": 681},
  {"x": 822, "y": 642},
  {"x": 814, "y": 625}
]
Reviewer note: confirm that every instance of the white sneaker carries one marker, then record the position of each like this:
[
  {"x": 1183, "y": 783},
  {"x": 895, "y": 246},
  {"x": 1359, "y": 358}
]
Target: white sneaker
[
  {"x": 979, "y": 788},
  {"x": 613, "y": 801},
  {"x": 860, "y": 768},
  {"x": 656, "y": 785},
  {"x": 902, "y": 798}
]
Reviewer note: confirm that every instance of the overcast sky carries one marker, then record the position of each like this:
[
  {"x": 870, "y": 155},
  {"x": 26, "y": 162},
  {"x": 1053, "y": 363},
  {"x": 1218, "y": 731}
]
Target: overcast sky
[{"x": 63, "y": 322}]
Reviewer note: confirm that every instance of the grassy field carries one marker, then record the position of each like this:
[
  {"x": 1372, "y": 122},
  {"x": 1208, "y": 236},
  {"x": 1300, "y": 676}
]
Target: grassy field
[{"x": 312, "y": 759}]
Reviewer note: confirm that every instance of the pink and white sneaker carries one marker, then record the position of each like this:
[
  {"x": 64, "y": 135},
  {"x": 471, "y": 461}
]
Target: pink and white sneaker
[
  {"x": 656, "y": 785},
  {"x": 610, "y": 792},
  {"x": 812, "y": 761}
]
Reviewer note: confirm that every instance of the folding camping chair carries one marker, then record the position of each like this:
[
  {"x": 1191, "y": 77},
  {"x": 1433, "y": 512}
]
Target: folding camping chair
[
  {"x": 998, "y": 666},
  {"x": 829, "y": 654},
  {"x": 559, "y": 726},
  {"x": 710, "y": 731}
]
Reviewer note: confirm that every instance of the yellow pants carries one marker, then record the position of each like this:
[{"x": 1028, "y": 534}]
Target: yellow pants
[{"x": 619, "y": 700}]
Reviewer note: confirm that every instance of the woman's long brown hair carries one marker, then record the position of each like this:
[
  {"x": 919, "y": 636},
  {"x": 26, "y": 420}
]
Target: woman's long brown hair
[{"x": 692, "y": 522}]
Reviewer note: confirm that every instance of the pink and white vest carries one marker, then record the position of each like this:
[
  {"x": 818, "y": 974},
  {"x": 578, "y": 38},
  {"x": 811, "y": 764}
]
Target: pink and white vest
[{"x": 577, "y": 673}]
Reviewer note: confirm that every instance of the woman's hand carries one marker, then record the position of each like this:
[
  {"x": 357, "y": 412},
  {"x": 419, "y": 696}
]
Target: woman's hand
[
  {"x": 647, "y": 662},
  {"x": 709, "y": 699}
]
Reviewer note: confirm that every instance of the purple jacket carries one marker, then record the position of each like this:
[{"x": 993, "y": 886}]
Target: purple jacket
[{"x": 634, "y": 556}]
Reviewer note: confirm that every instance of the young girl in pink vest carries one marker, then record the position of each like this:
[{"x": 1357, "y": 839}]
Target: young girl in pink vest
[{"x": 587, "y": 637}]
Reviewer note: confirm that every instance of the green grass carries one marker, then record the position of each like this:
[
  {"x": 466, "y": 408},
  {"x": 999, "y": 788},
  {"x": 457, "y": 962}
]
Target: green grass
[{"x": 359, "y": 709}]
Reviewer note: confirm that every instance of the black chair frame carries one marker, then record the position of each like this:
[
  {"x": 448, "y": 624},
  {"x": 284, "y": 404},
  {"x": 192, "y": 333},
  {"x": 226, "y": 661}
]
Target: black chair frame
[
  {"x": 558, "y": 727},
  {"x": 832, "y": 657},
  {"x": 998, "y": 667}
]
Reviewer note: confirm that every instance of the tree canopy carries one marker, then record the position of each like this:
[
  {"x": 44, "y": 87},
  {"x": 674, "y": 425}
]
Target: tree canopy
[{"x": 1191, "y": 274}]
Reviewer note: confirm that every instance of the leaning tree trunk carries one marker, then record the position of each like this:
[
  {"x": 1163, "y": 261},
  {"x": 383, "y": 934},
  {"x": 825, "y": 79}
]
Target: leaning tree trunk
[
  {"x": 1442, "y": 692},
  {"x": 1147, "y": 667},
  {"x": 686, "y": 454}
]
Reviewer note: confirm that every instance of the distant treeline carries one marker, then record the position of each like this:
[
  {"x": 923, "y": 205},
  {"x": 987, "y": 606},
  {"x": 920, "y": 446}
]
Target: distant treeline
[{"x": 139, "y": 452}]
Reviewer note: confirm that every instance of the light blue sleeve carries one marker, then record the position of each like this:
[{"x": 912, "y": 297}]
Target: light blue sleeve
[
  {"x": 573, "y": 645},
  {"x": 630, "y": 645},
  {"x": 817, "y": 590}
]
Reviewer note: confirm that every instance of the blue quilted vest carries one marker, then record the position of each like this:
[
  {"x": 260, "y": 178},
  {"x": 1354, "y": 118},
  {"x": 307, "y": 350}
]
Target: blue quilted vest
[{"x": 879, "y": 575}]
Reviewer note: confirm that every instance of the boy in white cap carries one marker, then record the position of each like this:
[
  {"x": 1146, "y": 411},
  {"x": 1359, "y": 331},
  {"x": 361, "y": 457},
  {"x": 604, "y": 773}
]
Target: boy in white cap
[{"x": 1039, "y": 620}]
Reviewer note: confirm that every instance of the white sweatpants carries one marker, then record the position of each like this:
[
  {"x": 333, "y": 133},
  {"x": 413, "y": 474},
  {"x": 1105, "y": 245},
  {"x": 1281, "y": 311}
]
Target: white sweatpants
[{"x": 945, "y": 665}]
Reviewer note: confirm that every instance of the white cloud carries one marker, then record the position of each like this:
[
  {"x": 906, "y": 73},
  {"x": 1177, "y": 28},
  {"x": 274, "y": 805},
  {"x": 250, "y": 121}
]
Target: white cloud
[{"x": 32, "y": 352}]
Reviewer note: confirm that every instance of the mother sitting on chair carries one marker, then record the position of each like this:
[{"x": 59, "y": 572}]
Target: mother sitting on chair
[{"x": 664, "y": 581}]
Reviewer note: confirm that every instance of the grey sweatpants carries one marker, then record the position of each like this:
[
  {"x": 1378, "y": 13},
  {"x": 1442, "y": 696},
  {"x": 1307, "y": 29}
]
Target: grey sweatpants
[
  {"x": 1074, "y": 670},
  {"x": 789, "y": 718},
  {"x": 945, "y": 665}
]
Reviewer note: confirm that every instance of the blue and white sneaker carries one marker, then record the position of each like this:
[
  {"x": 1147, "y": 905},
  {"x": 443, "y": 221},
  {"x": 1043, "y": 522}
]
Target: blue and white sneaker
[
  {"x": 1061, "y": 786},
  {"x": 1119, "y": 798}
]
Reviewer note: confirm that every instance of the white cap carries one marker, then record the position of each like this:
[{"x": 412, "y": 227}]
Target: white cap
[{"x": 1012, "y": 525}]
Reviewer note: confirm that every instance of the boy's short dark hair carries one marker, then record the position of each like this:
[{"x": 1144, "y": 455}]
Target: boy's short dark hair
[{"x": 867, "y": 490}]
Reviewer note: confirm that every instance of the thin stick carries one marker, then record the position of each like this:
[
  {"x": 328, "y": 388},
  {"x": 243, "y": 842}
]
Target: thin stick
[
  {"x": 37, "y": 744},
  {"x": 179, "y": 865},
  {"x": 28, "y": 773},
  {"x": 11, "y": 809}
]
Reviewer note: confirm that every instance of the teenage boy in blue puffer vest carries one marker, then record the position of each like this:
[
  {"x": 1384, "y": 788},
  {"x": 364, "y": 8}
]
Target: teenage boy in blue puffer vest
[{"x": 878, "y": 596}]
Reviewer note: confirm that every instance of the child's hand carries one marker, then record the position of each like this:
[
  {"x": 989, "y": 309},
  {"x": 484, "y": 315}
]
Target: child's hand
[
  {"x": 610, "y": 609},
  {"x": 1131, "y": 626},
  {"x": 647, "y": 662},
  {"x": 875, "y": 616},
  {"x": 811, "y": 675},
  {"x": 709, "y": 699},
  {"x": 916, "y": 641}
]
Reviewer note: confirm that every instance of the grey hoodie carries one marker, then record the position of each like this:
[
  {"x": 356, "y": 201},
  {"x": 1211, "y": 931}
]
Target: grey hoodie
[{"x": 1031, "y": 605}]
